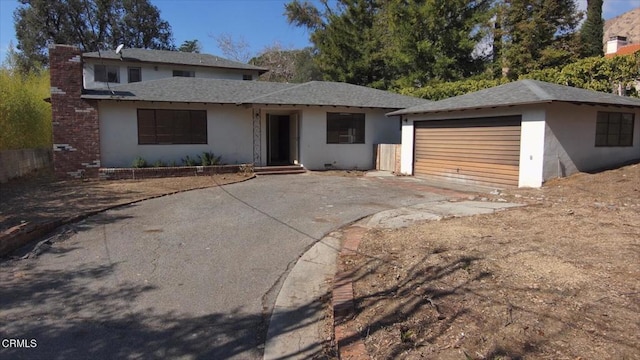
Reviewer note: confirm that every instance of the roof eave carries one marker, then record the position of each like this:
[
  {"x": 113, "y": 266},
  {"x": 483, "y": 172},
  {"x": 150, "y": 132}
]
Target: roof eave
[
  {"x": 245, "y": 104},
  {"x": 403, "y": 112},
  {"x": 260, "y": 70}
]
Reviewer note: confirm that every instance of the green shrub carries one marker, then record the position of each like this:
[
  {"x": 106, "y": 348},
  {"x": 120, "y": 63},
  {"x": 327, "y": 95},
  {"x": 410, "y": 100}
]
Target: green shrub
[
  {"x": 139, "y": 162},
  {"x": 594, "y": 73},
  {"x": 189, "y": 161},
  {"x": 25, "y": 118},
  {"x": 208, "y": 158},
  {"x": 159, "y": 163}
]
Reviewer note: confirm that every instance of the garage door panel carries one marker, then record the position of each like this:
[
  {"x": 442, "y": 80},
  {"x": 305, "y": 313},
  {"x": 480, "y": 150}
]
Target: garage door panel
[
  {"x": 476, "y": 158},
  {"x": 471, "y": 131},
  {"x": 492, "y": 122},
  {"x": 467, "y": 138},
  {"x": 482, "y": 151},
  {"x": 469, "y": 175},
  {"x": 500, "y": 149},
  {"x": 470, "y": 144},
  {"x": 458, "y": 164},
  {"x": 452, "y": 151}
]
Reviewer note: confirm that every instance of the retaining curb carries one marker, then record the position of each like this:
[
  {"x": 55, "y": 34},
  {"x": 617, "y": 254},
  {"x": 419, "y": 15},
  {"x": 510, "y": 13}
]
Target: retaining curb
[
  {"x": 349, "y": 343},
  {"x": 20, "y": 235}
]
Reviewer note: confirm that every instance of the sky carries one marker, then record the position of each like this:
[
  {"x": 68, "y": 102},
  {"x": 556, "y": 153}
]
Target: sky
[{"x": 260, "y": 23}]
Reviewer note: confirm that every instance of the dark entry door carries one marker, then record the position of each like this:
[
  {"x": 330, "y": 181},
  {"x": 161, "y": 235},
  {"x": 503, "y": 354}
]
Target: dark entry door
[{"x": 279, "y": 149}]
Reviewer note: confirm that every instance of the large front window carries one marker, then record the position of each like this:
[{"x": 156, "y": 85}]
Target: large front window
[
  {"x": 345, "y": 128},
  {"x": 172, "y": 126},
  {"x": 614, "y": 129},
  {"x": 106, "y": 73}
]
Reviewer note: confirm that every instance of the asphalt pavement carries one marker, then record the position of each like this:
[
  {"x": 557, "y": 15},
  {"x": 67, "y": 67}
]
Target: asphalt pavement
[{"x": 188, "y": 276}]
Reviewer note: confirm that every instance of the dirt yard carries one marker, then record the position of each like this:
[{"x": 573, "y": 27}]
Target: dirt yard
[
  {"x": 558, "y": 279},
  {"x": 39, "y": 198}
]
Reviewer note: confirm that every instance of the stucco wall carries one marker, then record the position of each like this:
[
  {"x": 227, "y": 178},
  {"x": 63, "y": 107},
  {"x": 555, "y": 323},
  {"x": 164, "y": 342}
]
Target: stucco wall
[
  {"x": 230, "y": 134},
  {"x": 155, "y": 72},
  {"x": 229, "y": 131},
  {"x": 570, "y": 135},
  {"x": 315, "y": 152}
]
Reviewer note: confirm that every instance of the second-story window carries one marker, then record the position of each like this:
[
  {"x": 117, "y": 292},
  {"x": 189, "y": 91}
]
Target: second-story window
[
  {"x": 184, "y": 73},
  {"x": 106, "y": 73},
  {"x": 135, "y": 74}
]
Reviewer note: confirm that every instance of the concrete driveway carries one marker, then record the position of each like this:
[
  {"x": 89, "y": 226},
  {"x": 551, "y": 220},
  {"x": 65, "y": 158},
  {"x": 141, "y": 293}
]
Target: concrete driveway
[{"x": 189, "y": 276}]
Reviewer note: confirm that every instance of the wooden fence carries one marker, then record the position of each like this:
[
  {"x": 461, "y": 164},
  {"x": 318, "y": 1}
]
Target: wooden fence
[{"x": 388, "y": 157}]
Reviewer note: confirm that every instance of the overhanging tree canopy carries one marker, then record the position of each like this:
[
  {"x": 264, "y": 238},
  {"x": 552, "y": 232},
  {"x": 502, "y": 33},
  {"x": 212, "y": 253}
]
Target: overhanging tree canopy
[{"x": 89, "y": 24}]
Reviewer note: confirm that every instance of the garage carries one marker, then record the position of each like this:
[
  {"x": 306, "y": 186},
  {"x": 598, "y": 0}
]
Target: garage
[{"x": 482, "y": 151}]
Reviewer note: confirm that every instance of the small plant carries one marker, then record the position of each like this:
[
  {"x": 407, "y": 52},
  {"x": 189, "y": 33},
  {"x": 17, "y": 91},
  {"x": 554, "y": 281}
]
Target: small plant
[
  {"x": 189, "y": 161},
  {"x": 246, "y": 169},
  {"x": 208, "y": 158},
  {"x": 159, "y": 163},
  {"x": 406, "y": 335},
  {"x": 173, "y": 163},
  {"x": 139, "y": 162}
]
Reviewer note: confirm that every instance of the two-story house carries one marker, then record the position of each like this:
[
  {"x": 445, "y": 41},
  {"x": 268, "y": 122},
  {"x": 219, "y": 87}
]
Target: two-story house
[
  {"x": 111, "y": 107},
  {"x": 135, "y": 65}
]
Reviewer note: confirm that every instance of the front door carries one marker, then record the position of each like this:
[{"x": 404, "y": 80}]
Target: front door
[{"x": 279, "y": 140}]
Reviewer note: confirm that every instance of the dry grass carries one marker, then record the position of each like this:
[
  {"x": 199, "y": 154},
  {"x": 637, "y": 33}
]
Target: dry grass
[{"x": 557, "y": 279}]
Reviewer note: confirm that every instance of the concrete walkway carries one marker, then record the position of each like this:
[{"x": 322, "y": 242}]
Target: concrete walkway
[{"x": 307, "y": 282}]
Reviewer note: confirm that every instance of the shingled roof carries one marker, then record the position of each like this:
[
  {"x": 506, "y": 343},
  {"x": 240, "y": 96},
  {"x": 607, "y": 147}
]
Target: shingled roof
[
  {"x": 520, "y": 93},
  {"x": 172, "y": 57},
  {"x": 217, "y": 91}
]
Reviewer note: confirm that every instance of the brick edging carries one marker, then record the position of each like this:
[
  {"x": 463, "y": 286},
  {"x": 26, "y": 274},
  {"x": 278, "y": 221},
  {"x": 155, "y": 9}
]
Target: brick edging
[
  {"x": 18, "y": 236},
  {"x": 349, "y": 343}
]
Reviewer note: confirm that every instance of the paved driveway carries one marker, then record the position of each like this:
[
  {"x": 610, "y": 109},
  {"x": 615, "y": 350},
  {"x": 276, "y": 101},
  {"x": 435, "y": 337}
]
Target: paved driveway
[{"x": 192, "y": 276}]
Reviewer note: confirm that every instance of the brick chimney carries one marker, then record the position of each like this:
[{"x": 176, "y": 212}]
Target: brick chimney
[{"x": 76, "y": 132}]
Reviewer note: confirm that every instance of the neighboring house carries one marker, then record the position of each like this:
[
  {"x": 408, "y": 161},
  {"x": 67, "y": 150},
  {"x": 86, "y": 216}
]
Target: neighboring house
[
  {"x": 618, "y": 46},
  {"x": 167, "y": 117},
  {"x": 519, "y": 134}
]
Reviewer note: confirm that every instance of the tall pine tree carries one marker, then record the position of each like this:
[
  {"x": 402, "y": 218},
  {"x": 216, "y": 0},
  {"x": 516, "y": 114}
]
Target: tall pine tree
[
  {"x": 348, "y": 40},
  {"x": 537, "y": 33},
  {"x": 592, "y": 31},
  {"x": 435, "y": 41},
  {"x": 394, "y": 42}
]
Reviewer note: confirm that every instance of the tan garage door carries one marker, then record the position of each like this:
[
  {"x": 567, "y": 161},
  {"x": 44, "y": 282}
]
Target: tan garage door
[{"x": 484, "y": 151}]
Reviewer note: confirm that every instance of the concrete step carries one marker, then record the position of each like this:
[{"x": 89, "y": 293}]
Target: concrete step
[{"x": 279, "y": 170}]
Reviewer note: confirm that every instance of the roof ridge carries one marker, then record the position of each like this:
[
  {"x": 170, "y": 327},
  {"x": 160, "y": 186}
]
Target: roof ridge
[
  {"x": 536, "y": 89},
  {"x": 293, "y": 86}
]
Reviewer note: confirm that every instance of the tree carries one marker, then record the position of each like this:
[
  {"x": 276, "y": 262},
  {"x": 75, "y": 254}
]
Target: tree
[
  {"x": 436, "y": 41},
  {"x": 25, "y": 119},
  {"x": 394, "y": 42},
  {"x": 592, "y": 30},
  {"x": 287, "y": 65},
  {"x": 537, "y": 34},
  {"x": 89, "y": 24},
  {"x": 236, "y": 49},
  {"x": 347, "y": 40},
  {"x": 190, "y": 46}
]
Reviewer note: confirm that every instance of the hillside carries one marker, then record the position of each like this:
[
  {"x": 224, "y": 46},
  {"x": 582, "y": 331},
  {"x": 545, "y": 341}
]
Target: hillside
[{"x": 627, "y": 24}]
